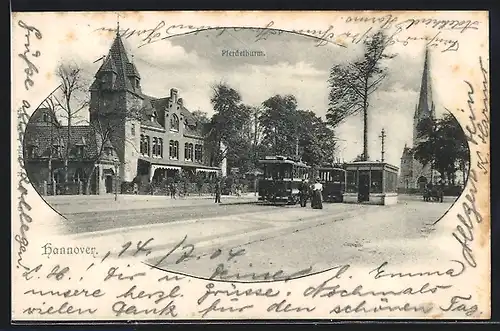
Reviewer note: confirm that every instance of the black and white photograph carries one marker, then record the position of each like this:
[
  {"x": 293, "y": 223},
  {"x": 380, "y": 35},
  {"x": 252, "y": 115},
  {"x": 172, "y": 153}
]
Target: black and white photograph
[{"x": 332, "y": 167}]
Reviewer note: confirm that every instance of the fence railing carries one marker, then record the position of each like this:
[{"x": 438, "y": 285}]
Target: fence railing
[{"x": 71, "y": 188}]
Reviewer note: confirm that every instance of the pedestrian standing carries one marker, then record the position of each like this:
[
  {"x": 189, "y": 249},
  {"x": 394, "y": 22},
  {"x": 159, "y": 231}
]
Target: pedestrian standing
[
  {"x": 303, "y": 193},
  {"x": 317, "y": 201},
  {"x": 217, "y": 191},
  {"x": 172, "y": 191}
]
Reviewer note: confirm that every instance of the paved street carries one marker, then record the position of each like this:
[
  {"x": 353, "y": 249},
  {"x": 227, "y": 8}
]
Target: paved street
[{"x": 261, "y": 238}]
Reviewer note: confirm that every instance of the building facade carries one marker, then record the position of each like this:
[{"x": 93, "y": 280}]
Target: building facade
[
  {"x": 413, "y": 174},
  {"x": 132, "y": 137}
]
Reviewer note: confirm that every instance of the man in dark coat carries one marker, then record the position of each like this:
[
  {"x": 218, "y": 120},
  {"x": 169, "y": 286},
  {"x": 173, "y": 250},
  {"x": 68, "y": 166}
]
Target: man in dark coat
[
  {"x": 303, "y": 193},
  {"x": 217, "y": 191},
  {"x": 172, "y": 190},
  {"x": 440, "y": 190}
]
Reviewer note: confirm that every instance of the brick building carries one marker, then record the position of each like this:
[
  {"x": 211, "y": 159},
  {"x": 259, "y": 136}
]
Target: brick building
[{"x": 131, "y": 136}]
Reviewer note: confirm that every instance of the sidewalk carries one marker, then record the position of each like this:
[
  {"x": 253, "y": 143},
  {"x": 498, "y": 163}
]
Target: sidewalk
[
  {"x": 98, "y": 203},
  {"x": 110, "y": 196}
]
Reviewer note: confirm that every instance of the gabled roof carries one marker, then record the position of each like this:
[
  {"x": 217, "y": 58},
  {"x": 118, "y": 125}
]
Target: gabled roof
[
  {"x": 160, "y": 104},
  {"x": 117, "y": 61},
  {"x": 44, "y": 116},
  {"x": 45, "y": 138}
]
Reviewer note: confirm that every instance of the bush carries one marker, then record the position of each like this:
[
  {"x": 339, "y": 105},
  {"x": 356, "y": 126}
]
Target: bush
[
  {"x": 453, "y": 191},
  {"x": 127, "y": 187}
]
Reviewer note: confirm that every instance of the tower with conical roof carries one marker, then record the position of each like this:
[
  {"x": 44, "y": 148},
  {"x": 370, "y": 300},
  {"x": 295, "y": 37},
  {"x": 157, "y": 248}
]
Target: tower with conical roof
[
  {"x": 413, "y": 173},
  {"x": 115, "y": 99}
]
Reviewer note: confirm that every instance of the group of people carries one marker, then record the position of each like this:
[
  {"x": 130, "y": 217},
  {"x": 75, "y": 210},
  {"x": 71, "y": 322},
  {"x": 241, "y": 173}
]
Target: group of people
[
  {"x": 314, "y": 192},
  {"x": 434, "y": 192}
]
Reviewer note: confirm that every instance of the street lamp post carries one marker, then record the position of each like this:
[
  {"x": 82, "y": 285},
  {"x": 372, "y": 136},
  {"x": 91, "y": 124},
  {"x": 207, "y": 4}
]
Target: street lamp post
[{"x": 116, "y": 164}]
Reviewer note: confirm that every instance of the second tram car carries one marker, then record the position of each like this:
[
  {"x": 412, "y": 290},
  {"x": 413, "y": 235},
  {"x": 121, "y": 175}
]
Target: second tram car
[
  {"x": 282, "y": 179},
  {"x": 333, "y": 180}
]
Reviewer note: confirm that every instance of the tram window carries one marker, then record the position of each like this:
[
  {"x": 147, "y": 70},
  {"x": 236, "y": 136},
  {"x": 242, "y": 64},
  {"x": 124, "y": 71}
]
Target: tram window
[
  {"x": 336, "y": 176},
  {"x": 287, "y": 171},
  {"x": 352, "y": 181},
  {"x": 324, "y": 175},
  {"x": 268, "y": 171}
]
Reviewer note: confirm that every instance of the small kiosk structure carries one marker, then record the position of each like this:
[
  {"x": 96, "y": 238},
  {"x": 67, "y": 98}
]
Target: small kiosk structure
[{"x": 371, "y": 183}]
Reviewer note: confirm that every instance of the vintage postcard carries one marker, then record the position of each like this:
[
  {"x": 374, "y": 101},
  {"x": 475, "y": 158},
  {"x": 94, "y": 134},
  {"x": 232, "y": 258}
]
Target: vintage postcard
[{"x": 250, "y": 165}]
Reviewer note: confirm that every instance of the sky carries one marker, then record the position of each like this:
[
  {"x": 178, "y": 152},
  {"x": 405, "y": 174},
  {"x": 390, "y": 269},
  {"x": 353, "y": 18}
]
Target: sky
[{"x": 292, "y": 64}]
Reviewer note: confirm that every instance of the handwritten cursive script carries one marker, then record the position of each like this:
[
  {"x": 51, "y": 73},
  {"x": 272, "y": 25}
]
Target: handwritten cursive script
[
  {"x": 399, "y": 31},
  {"x": 23, "y": 207},
  {"x": 476, "y": 132},
  {"x": 28, "y": 54}
]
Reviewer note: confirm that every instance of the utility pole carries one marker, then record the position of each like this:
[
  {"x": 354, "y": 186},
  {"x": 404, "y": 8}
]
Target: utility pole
[
  {"x": 297, "y": 146},
  {"x": 383, "y": 136}
]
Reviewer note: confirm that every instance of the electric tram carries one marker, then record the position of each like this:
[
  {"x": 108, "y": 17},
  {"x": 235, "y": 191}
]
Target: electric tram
[
  {"x": 333, "y": 180},
  {"x": 282, "y": 179}
]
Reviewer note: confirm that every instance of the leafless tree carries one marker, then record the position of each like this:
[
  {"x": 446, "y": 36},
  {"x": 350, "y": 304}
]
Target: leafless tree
[
  {"x": 72, "y": 100},
  {"x": 107, "y": 127},
  {"x": 52, "y": 105}
]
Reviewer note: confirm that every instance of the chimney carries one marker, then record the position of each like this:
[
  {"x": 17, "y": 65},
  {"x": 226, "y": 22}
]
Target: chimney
[
  {"x": 180, "y": 102},
  {"x": 173, "y": 95}
]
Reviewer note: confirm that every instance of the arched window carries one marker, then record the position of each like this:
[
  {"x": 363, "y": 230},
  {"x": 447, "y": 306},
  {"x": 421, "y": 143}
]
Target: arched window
[
  {"x": 174, "y": 149},
  {"x": 198, "y": 153},
  {"x": 142, "y": 145},
  {"x": 188, "y": 152},
  {"x": 155, "y": 146},
  {"x": 148, "y": 144},
  {"x": 32, "y": 151},
  {"x": 174, "y": 123},
  {"x": 80, "y": 150},
  {"x": 45, "y": 117},
  {"x": 160, "y": 147}
]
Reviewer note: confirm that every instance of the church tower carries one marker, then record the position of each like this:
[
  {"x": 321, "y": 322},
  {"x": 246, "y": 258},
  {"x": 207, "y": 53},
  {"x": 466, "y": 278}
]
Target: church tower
[
  {"x": 115, "y": 99},
  {"x": 413, "y": 174},
  {"x": 425, "y": 107}
]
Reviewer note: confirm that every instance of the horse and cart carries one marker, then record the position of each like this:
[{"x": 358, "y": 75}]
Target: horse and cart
[{"x": 433, "y": 193}]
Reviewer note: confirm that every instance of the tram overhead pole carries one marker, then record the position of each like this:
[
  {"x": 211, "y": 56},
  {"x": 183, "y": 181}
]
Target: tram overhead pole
[{"x": 382, "y": 137}]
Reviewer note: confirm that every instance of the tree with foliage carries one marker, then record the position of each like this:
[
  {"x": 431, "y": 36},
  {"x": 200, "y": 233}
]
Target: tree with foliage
[
  {"x": 443, "y": 145},
  {"x": 201, "y": 117},
  {"x": 280, "y": 124},
  {"x": 352, "y": 84},
  {"x": 317, "y": 142},
  {"x": 227, "y": 124}
]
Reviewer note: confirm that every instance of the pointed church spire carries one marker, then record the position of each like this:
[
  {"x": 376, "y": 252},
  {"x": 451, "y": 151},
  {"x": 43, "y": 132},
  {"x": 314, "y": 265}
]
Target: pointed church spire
[
  {"x": 425, "y": 107},
  {"x": 117, "y": 24}
]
